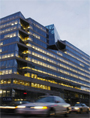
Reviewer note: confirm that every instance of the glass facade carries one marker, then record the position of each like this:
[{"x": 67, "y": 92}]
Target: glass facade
[{"x": 40, "y": 62}]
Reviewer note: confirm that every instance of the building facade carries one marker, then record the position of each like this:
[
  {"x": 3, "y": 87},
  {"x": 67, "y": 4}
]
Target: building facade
[{"x": 34, "y": 61}]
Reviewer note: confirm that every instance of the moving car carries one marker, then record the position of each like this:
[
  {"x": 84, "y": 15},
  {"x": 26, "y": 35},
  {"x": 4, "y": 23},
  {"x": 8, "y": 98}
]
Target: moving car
[
  {"x": 10, "y": 107},
  {"x": 79, "y": 108},
  {"x": 45, "y": 106}
]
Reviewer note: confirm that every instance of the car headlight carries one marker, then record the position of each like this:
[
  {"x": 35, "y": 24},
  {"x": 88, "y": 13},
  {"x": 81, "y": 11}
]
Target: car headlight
[
  {"x": 10, "y": 107},
  {"x": 76, "y": 108},
  {"x": 40, "y": 107},
  {"x": 20, "y": 107}
]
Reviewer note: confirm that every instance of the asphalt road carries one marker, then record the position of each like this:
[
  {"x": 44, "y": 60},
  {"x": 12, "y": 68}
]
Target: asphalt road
[{"x": 72, "y": 115}]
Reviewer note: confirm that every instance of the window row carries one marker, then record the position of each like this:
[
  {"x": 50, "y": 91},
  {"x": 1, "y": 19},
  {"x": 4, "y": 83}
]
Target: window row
[
  {"x": 10, "y": 35},
  {"x": 56, "y": 57},
  {"x": 37, "y": 36},
  {"x": 6, "y": 81},
  {"x": 35, "y": 85},
  {"x": 76, "y": 49},
  {"x": 39, "y": 31},
  {"x": 40, "y": 43},
  {"x": 55, "y": 69},
  {"x": 55, "y": 75},
  {"x": 39, "y": 27},
  {"x": 60, "y": 64},
  {"x": 78, "y": 54},
  {"x": 12, "y": 23},
  {"x": 3, "y": 56},
  {"x": 8, "y": 29},
  {"x": 9, "y": 40},
  {"x": 35, "y": 76},
  {"x": 76, "y": 58},
  {"x": 8, "y": 63},
  {"x": 5, "y": 93},
  {"x": 33, "y": 34},
  {"x": 36, "y": 25},
  {"x": 9, "y": 48},
  {"x": 8, "y": 71},
  {"x": 21, "y": 82},
  {"x": 40, "y": 86},
  {"x": 11, "y": 17}
]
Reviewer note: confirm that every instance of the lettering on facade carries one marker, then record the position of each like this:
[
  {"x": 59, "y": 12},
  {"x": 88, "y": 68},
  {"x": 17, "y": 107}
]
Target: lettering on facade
[{"x": 6, "y": 99}]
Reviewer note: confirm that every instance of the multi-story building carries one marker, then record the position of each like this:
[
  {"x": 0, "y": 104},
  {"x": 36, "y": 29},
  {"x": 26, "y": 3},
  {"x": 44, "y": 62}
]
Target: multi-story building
[{"x": 34, "y": 61}]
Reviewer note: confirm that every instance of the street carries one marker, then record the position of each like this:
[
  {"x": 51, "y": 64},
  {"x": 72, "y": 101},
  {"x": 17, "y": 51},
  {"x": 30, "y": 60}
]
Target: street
[{"x": 72, "y": 115}]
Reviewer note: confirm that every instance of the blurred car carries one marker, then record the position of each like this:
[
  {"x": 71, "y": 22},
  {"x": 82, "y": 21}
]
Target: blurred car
[
  {"x": 79, "y": 108},
  {"x": 10, "y": 107},
  {"x": 45, "y": 106}
]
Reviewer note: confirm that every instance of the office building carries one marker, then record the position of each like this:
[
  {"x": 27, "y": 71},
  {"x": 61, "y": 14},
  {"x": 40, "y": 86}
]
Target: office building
[{"x": 34, "y": 61}]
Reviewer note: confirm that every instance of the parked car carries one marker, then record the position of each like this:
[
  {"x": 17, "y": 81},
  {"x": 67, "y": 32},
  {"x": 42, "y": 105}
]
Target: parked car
[
  {"x": 10, "y": 107},
  {"x": 79, "y": 108},
  {"x": 46, "y": 106}
]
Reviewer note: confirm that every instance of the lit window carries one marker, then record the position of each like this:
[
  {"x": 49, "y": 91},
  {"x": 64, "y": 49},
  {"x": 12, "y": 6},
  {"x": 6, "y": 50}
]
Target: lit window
[
  {"x": 9, "y": 81},
  {"x": 12, "y": 55},
  {"x": 0, "y": 50},
  {"x": 1, "y": 81},
  {"x": 8, "y": 55},
  {"x": 5, "y": 82},
  {"x": 10, "y": 71},
  {"x": 12, "y": 24},
  {"x": 6, "y": 71},
  {"x": 0, "y": 91}
]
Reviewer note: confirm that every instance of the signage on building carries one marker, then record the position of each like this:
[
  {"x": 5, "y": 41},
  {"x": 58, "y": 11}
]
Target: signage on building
[{"x": 7, "y": 99}]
